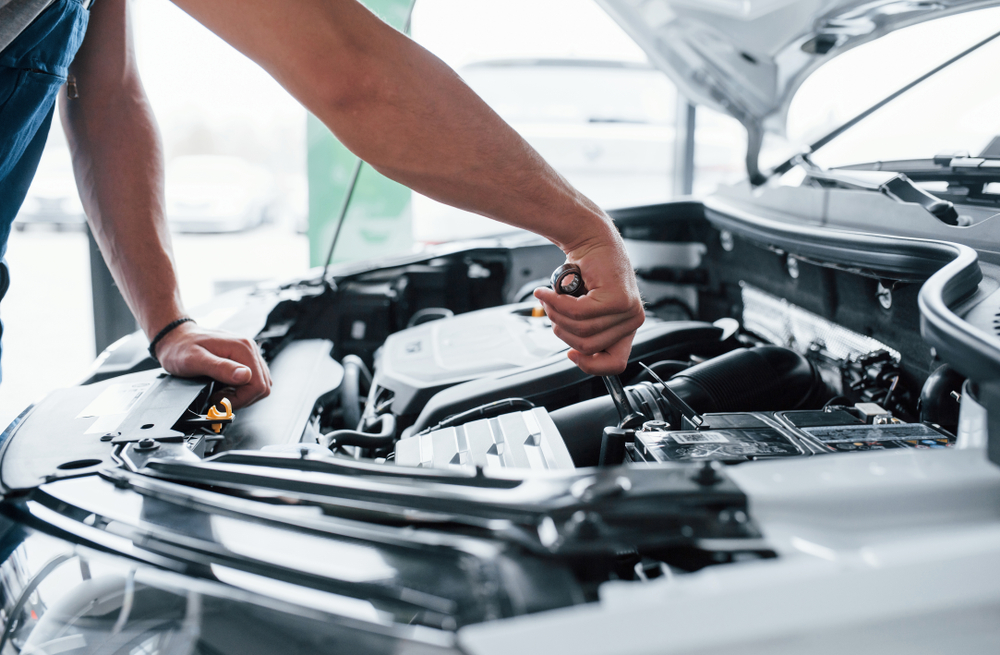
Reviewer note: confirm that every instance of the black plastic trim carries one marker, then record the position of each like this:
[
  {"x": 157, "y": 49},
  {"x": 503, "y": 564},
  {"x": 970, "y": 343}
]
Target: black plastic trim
[
  {"x": 873, "y": 255},
  {"x": 951, "y": 272}
]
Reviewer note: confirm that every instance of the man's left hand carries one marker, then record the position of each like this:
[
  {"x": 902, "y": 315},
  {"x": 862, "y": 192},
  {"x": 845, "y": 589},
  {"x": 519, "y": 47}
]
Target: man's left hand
[{"x": 190, "y": 350}]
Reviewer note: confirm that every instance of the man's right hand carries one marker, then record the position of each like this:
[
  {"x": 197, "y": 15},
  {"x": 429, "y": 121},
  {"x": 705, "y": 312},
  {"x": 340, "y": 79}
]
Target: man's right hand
[{"x": 600, "y": 325}]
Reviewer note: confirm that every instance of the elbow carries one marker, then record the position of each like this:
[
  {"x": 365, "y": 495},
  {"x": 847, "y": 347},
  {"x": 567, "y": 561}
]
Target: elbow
[{"x": 346, "y": 94}]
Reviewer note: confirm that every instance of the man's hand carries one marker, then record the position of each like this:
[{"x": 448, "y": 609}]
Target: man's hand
[
  {"x": 598, "y": 326},
  {"x": 189, "y": 351}
]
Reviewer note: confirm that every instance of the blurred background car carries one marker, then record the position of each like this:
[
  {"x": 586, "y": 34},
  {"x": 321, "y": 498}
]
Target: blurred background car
[
  {"x": 217, "y": 193},
  {"x": 52, "y": 198}
]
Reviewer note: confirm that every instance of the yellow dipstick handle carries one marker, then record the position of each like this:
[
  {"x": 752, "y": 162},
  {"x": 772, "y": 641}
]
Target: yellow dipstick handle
[{"x": 214, "y": 413}]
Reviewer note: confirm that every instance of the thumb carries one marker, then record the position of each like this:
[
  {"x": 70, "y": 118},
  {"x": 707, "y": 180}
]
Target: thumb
[{"x": 202, "y": 362}]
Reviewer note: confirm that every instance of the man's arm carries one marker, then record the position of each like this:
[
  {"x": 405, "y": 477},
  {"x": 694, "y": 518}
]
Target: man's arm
[
  {"x": 412, "y": 118},
  {"x": 118, "y": 163}
]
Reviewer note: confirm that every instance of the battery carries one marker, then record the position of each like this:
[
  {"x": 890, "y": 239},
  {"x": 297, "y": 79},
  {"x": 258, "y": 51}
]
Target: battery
[{"x": 723, "y": 437}]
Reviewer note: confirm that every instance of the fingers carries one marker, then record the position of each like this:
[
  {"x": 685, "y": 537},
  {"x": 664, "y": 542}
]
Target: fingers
[
  {"x": 231, "y": 360},
  {"x": 601, "y": 341},
  {"x": 249, "y": 379},
  {"x": 240, "y": 354},
  {"x": 595, "y": 304},
  {"x": 588, "y": 324},
  {"x": 609, "y": 362},
  {"x": 588, "y": 328}
]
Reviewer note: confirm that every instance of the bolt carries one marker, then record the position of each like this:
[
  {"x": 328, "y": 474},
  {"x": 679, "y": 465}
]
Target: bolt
[
  {"x": 708, "y": 474},
  {"x": 726, "y": 240},
  {"x": 107, "y": 437},
  {"x": 147, "y": 444},
  {"x": 792, "y": 265},
  {"x": 584, "y": 526},
  {"x": 884, "y": 296}
]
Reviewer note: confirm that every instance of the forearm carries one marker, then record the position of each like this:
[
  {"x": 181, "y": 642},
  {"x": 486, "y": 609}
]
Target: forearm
[
  {"x": 118, "y": 161},
  {"x": 404, "y": 112}
]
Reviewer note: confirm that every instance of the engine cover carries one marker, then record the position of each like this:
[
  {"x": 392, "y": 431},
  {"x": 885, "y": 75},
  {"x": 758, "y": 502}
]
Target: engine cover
[
  {"x": 418, "y": 362},
  {"x": 524, "y": 440}
]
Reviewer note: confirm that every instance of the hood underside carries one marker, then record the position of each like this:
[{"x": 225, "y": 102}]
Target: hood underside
[{"x": 748, "y": 57}]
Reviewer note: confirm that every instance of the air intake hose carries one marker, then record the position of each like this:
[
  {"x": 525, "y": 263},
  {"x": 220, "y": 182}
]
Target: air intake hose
[{"x": 768, "y": 378}]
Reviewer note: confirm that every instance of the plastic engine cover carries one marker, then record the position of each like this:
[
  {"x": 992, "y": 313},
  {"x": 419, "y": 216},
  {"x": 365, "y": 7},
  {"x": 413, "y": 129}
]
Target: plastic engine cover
[
  {"x": 525, "y": 440},
  {"x": 418, "y": 362}
]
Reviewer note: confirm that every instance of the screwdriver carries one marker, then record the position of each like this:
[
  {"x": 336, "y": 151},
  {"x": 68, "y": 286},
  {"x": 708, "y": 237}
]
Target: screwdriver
[{"x": 568, "y": 280}]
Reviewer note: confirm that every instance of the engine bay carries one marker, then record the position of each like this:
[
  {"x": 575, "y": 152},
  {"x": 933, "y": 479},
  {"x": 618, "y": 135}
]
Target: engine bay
[{"x": 441, "y": 379}]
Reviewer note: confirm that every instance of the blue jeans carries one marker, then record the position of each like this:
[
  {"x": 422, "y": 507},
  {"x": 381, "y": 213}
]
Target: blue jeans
[{"x": 32, "y": 69}]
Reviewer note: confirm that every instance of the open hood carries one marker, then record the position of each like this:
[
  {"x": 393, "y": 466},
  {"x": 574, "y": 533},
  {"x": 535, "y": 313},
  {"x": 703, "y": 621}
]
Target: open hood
[{"x": 748, "y": 57}]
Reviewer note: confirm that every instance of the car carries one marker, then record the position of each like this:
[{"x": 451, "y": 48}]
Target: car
[
  {"x": 802, "y": 454},
  {"x": 216, "y": 193}
]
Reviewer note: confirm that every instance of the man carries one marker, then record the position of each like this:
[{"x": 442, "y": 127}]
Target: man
[{"x": 387, "y": 99}]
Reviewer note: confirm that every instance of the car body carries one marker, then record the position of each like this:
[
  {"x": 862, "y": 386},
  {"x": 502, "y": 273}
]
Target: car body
[
  {"x": 818, "y": 472},
  {"x": 216, "y": 193}
]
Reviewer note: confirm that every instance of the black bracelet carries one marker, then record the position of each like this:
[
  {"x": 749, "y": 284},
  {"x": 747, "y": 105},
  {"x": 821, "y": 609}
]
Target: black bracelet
[{"x": 164, "y": 332}]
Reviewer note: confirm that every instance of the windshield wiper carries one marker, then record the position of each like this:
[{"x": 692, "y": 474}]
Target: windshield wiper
[
  {"x": 954, "y": 169},
  {"x": 896, "y": 185}
]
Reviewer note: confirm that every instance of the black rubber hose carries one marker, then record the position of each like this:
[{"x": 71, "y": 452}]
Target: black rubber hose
[
  {"x": 937, "y": 404},
  {"x": 384, "y": 438},
  {"x": 768, "y": 378},
  {"x": 350, "y": 389}
]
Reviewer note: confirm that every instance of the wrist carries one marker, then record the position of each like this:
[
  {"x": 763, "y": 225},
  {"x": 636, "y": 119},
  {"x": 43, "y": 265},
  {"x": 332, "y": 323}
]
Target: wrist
[
  {"x": 591, "y": 232},
  {"x": 173, "y": 329}
]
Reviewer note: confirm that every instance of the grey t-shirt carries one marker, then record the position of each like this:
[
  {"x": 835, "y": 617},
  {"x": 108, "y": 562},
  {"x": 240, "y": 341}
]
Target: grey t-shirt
[{"x": 15, "y": 15}]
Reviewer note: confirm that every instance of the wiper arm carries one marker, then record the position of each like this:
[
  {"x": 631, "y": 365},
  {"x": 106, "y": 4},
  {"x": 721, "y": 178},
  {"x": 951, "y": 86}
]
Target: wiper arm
[{"x": 896, "y": 185}]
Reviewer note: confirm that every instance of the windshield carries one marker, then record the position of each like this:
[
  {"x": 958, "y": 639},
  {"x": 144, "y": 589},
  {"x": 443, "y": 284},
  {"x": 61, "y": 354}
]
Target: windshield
[{"x": 955, "y": 111}]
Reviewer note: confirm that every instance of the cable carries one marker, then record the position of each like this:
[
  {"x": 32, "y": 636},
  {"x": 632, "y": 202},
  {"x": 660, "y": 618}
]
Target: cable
[
  {"x": 384, "y": 438},
  {"x": 342, "y": 214}
]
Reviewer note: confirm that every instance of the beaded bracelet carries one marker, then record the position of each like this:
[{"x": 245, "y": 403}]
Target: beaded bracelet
[{"x": 164, "y": 332}]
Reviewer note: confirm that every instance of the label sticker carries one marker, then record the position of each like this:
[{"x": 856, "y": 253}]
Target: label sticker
[
  {"x": 700, "y": 437},
  {"x": 872, "y": 433},
  {"x": 116, "y": 399},
  {"x": 107, "y": 423}
]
